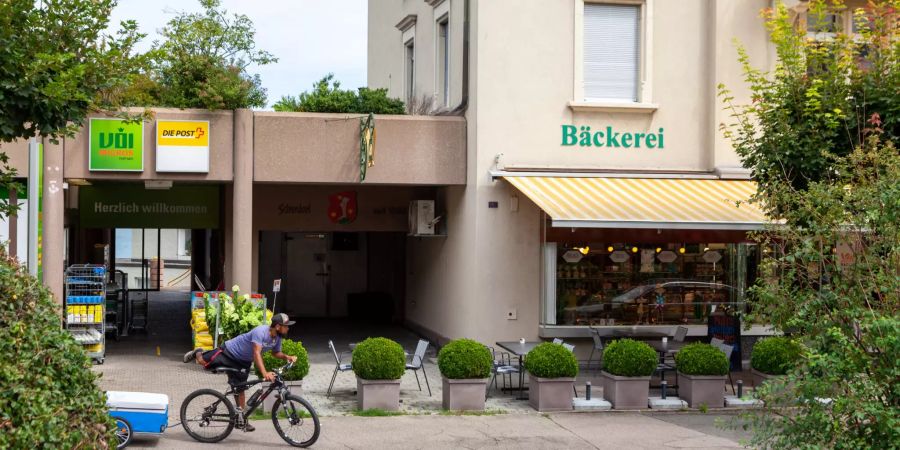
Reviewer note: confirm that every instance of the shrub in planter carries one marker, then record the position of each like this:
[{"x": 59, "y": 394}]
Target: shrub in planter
[
  {"x": 627, "y": 366},
  {"x": 702, "y": 369},
  {"x": 49, "y": 396},
  {"x": 552, "y": 369},
  {"x": 775, "y": 355},
  {"x": 466, "y": 366},
  {"x": 291, "y": 348},
  {"x": 378, "y": 364}
]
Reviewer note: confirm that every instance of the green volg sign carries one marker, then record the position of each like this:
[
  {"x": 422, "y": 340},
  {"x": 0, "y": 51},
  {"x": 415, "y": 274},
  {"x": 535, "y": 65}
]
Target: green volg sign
[
  {"x": 116, "y": 145},
  {"x": 608, "y": 137},
  {"x": 132, "y": 206}
]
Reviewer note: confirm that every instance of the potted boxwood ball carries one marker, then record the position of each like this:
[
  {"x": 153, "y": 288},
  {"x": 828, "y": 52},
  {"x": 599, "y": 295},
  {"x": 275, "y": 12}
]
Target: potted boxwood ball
[
  {"x": 551, "y": 377},
  {"x": 293, "y": 377},
  {"x": 773, "y": 357},
  {"x": 627, "y": 367},
  {"x": 466, "y": 368},
  {"x": 378, "y": 364},
  {"x": 702, "y": 369}
]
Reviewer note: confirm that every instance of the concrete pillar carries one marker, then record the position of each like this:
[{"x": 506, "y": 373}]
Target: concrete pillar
[
  {"x": 242, "y": 202},
  {"x": 52, "y": 219}
]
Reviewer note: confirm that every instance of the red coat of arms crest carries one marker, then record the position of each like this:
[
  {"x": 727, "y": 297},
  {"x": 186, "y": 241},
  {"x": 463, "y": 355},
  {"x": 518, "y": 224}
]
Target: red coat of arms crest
[{"x": 342, "y": 207}]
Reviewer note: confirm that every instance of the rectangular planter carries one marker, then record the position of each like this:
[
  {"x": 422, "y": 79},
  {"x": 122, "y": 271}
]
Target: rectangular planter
[
  {"x": 269, "y": 402},
  {"x": 465, "y": 394},
  {"x": 381, "y": 394},
  {"x": 626, "y": 392},
  {"x": 702, "y": 389},
  {"x": 759, "y": 378},
  {"x": 550, "y": 394}
]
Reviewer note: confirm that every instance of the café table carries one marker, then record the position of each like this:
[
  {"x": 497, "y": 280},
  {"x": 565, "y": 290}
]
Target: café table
[{"x": 519, "y": 349}]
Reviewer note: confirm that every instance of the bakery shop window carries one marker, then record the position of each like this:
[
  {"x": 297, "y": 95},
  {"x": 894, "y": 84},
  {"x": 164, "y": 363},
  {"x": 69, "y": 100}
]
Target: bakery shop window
[{"x": 610, "y": 284}]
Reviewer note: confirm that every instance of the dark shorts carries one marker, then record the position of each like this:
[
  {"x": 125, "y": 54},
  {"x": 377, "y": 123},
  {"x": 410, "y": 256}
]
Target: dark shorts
[{"x": 219, "y": 358}]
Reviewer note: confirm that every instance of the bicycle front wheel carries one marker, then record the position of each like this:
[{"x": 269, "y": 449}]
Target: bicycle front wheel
[
  {"x": 296, "y": 421},
  {"x": 207, "y": 415}
]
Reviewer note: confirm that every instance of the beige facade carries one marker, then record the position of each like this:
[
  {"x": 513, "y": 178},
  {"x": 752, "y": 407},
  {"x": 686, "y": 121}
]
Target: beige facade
[{"x": 526, "y": 81}]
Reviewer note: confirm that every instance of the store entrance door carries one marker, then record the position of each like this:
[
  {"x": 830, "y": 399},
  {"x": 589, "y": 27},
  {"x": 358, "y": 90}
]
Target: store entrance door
[{"x": 308, "y": 280}]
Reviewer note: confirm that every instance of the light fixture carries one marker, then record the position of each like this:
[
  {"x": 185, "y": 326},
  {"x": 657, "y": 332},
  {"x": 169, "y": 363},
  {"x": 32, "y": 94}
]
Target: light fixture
[
  {"x": 609, "y": 249},
  {"x": 78, "y": 182},
  {"x": 157, "y": 184},
  {"x": 634, "y": 249},
  {"x": 658, "y": 249},
  {"x": 584, "y": 250},
  {"x": 681, "y": 250}
]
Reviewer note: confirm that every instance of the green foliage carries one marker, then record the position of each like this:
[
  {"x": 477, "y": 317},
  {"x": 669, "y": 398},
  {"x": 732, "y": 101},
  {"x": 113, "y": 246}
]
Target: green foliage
[
  {"x": 202, "y": 63},
  {"x": 701, "y": 359},
  {"x": 291, "y": 348},
  {"x": 379, "y": 359},
  {"x": 376, "y": 412},
  {"x": 549, "y": 360},
  {"x": 465, "y": 358},
  {"x": 629, "y": 358},
  {"x": 49, "y": 396},
  {"x": 58, "y": 64},
  {"x": 239, "y": 314},
  {"x": 821, "y": 139},
  {"x": 775, "y": 355},
  {"x": 328, "y": 97}
]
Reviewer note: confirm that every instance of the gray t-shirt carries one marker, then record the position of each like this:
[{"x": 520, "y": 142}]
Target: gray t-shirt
[{"x": 241, "y": 347}]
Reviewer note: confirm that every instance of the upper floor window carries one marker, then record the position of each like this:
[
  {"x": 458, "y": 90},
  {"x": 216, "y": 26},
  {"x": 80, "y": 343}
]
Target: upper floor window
[
  {"x": 443, "y": 61},
  {"x": 612, "y": 52},
  {"x": 410, "y": 70}
]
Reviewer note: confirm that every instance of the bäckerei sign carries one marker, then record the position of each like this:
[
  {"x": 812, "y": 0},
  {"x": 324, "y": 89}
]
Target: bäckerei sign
[{"x": 584, "y": 136}]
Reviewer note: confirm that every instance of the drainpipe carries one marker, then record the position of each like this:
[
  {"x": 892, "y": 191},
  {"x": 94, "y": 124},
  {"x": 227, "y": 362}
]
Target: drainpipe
[{"x": 460, "y": 109}]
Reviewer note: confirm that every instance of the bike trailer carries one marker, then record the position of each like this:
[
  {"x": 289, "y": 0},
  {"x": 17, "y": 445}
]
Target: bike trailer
[{"x": 146, "y": 413}]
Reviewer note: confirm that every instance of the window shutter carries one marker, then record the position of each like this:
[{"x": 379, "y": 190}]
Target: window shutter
[{"x": 611, "y": 51}]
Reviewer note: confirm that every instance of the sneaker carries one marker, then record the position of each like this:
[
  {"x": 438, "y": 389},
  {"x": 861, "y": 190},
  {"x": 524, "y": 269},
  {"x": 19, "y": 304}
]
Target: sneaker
[
  {"x": 191, "y": 355},
  {"x": 248, "y": 428}
]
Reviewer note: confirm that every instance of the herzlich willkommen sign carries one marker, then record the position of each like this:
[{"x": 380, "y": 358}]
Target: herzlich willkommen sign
[{"x": 182, "y": 146}]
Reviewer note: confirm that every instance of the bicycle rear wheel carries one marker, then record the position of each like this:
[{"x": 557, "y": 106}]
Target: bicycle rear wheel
[
  {"x": 296, "y": 421},
  {"x": 207, "y": 415}
]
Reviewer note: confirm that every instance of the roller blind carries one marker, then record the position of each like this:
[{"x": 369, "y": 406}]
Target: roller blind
[{"x": 611, "y": 51}]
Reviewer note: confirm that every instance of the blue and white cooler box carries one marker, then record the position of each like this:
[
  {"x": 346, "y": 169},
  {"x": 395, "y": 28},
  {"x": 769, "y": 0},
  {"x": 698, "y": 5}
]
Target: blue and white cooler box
[{"x": 148, "y": 413}]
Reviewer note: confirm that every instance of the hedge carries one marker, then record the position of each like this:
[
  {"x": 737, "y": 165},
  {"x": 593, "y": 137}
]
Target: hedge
[
  {"x": 701, "y": 359},
  {"x": 775, "y": 355},
  {"x": 465, "y": 358},
  {"x": 629, "y": 358},
  {"x": 550, "y": 360},
  {"x": 379, "y": 359},
  {"x": 291, "y": 348}
]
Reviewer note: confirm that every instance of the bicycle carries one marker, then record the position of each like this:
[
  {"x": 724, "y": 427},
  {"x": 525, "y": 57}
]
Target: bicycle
[{"x": 209, "y": 416}]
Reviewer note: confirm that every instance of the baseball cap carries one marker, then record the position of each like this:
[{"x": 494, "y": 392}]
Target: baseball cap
[{"x": 282, "y": 319}]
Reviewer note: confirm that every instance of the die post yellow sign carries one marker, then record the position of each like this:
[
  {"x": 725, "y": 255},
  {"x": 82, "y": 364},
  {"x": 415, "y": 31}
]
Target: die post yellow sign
[{"x": 182, "y": 146}]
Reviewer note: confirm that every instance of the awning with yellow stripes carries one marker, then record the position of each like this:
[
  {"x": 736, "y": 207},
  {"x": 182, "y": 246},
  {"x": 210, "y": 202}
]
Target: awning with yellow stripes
[{"x": 595, "y": 202}]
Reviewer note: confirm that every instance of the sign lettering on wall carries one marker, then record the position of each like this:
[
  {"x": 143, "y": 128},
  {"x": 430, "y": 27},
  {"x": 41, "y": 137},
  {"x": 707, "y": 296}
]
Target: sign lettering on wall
[
  {"x": 116, "y": 145},
  {"x": 132, "y": 206},
  {"x": 182, "y": 146},
  {"x": 584, "y": 136}
]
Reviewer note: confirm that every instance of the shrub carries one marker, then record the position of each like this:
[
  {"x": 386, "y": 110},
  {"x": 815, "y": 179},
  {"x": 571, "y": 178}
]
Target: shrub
[
  {"x": 701, "y": 359},
  {"x": 629, "y": 358},
  {"x": 291, "y": 348},
  {"x": 49, "y": 396},
  {"x": 465, "y": 358},
  {"x": 379, "y": 359},
  {"x": 328, "y": 97},
  {"x": 775, "y": 355},
  {"x": 550, "y": 360}
]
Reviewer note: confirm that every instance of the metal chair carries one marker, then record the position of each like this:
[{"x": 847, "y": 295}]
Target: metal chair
[
  {"x": 680, "y": 333},
  {"x": 338, "y": 366},
  {"x": 570, "y": 348},
  {"x": 728, "y": 350},
  {"x": 503, "y": 367},
  {"x": 557, "y": 341},
  {"x": 416, "y": 363},
  {"x": 598, "y": 347}
]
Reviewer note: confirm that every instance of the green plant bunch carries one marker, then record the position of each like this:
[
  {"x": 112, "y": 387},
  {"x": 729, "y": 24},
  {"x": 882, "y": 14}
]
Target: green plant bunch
[
  {"x": 379, "y": 359},
  {"x": 701, "y": 359},
  {"x": 291, "y": 348},
  {"x": 775, "y": 355},
  {"x": 465, "y": 358},
  {"x": 549, "y": 360},
  {"x": 629, "y": 358},
  {"x": 49, "y": 396},
  {"x": 239, "y": 314},
  {"x": 328, "y": 97}
]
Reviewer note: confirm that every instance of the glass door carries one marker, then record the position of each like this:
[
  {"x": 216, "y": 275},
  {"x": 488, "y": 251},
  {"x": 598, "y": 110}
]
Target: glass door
[{"x": 137, "y": 255}]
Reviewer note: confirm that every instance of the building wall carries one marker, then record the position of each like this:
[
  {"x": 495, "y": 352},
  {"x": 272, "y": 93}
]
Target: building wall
[{"x": 523, "y": 66}]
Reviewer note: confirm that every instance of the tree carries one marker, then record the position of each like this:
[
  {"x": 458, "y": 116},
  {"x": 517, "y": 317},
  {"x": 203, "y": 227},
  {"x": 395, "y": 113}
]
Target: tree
[
  {"x": 821, "y": 139},
  {"x": 202, "y": 62},
  {"x": 327, "y": 96}
]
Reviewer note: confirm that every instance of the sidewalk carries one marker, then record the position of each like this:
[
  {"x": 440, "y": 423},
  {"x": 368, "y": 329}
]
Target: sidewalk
[{"x": 532, "y": 431}]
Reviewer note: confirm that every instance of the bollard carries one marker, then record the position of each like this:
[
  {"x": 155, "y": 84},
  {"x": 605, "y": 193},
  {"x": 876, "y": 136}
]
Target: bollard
[
  {"x": 662, "y": 389},
  {"x": 740, "y": 389},
  {"x": 587, "y": 391}
]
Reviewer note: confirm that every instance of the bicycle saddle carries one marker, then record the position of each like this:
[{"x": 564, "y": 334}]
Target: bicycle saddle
[{"x": 228, "y": 369}]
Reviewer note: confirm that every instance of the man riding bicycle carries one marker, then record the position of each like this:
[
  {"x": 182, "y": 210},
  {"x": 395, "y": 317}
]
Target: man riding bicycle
[{"x": 242, "y": 351}]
